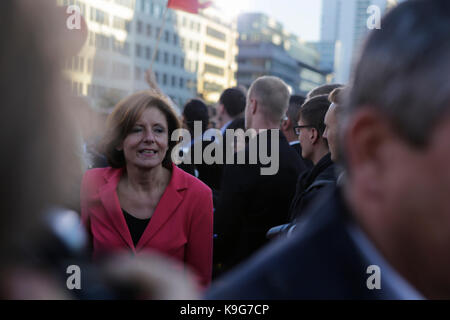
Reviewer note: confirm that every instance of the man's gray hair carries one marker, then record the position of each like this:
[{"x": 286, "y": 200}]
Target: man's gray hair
[
  {"x": 272, "y": 94},
  {"x": 404, "y": 69}
]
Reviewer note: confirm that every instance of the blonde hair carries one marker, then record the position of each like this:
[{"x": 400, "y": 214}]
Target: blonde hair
[{"x": 273, "y": 95}]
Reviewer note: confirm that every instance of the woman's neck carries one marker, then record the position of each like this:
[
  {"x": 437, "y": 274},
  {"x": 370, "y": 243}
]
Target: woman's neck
[{"x": 145, "y": 180}]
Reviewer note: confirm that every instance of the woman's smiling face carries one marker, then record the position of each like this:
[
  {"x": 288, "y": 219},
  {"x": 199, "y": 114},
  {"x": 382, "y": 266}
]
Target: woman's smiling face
[{"x": 147, "y": 143}]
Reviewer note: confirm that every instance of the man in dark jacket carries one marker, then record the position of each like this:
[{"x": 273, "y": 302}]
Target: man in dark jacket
[
  {"x": 251, "y": 201},
  {"x": 195, "y": 113},
  {"x": 310, "y": 131}
]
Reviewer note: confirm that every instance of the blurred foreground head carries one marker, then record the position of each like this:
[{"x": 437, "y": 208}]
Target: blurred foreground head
[
  {"x": 38, "y": 167},
  {"x": 396, "y": 142}
]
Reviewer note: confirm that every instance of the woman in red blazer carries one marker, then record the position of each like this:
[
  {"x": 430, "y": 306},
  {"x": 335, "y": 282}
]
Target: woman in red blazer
[{"x": 143, "y": 202}]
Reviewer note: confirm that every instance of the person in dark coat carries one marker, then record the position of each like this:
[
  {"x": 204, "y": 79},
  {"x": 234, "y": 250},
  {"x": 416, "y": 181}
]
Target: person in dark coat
[
  {"x": 197, "y": 111},
  {"x": 320, "y": 261},
  {"x": 231, "y": 107},
  {"x": 310, "y": 131},
  {"x": 251, "y": 199}
]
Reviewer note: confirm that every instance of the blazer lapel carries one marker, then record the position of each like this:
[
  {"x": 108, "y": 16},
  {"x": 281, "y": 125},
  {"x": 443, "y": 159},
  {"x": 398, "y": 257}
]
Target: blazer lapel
[
  {"x": 166, "y": 207},
  {"x": 110, "y": 201}
]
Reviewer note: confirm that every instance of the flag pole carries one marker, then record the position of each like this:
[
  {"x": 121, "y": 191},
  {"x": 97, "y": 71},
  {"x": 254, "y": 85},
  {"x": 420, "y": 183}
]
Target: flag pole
[{"x": 159, "y": 38}]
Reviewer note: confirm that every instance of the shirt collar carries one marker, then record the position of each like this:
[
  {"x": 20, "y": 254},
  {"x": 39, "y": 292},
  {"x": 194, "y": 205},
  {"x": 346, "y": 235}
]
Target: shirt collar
[
  {"x": 225, "y": 126},
  {"x": 391, "y": 280}
]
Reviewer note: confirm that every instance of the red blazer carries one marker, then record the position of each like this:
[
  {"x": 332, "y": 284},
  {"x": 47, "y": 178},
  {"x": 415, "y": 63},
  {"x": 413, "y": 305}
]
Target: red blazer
[{"x": 181, "y": 226}]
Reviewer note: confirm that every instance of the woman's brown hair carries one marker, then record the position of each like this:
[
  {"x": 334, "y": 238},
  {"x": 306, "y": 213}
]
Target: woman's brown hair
[{"x": 124, "y": 117}]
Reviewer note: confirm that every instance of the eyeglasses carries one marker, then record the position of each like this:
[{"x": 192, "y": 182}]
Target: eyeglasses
[{"x": 298, "y": 128}]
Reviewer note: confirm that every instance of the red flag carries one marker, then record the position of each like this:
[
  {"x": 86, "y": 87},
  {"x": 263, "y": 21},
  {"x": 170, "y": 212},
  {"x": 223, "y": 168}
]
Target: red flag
[{"x": 191, "y": 6}]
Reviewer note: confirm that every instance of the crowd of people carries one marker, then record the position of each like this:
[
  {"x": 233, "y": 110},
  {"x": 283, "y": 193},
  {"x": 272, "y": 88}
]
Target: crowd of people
[{"x": 361, "y": 177}]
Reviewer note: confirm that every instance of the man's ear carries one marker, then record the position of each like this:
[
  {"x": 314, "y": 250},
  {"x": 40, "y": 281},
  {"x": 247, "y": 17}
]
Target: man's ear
[
  {"x": 369, "y": 140},
  {"x": 120, "y": 146},
  {"x": 314, "y": 135},
  {"x": 285, "y": 124},
  {"x": 221, "y": 109},
  {"x": 253, "y": 106}
]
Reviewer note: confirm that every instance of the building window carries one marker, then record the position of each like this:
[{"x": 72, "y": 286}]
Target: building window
[
  {"x": 91, "y": 37},
  {"x": 120, "y": 70},
  {"x": 75, "y": 63},
  {"x": 99, "y": 16},
  {"x": 174, "y": 81},
  {"x": 209, "y": 68},
  {"x": 125, "y": 3},
  {"x": 166, "y": 58},
  {"x": 139, "y": 27},
  {"x": 174, "y": 60},
  {"x": 101, "y": 42},
  {"x": 149, "y": 30},
  {"x": 138, "y": 50},
  {"x": 164, "y": 79},
  {"x": 120, "y": 23},
  {"x": 89, "y": 66},
  {"x": 212, "y": 87},
  {"x": 137, "y": 73},
  {"x": 119, "y": 47},
  {"x": 156, "y": 10},
  {"x": 214, "y": 52},
  {"x": 100, "y": 67},
  {"x": 148, "y": 53},
  {"x": 181, "y": 83},
  {"x": 215, "y": 33},
  {"x": 81, "y": 65}
]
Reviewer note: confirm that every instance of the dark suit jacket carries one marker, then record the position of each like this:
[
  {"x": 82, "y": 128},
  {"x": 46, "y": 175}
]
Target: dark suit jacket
[
  {"x": 297, "y": 147},
  {"x": 210, "y": 174},
  {"x": 251, "y": 203},
  {"x": 320, "y": 261},
  {"x": 181, "y": 226},
  {"x": 305, "y": 193}
]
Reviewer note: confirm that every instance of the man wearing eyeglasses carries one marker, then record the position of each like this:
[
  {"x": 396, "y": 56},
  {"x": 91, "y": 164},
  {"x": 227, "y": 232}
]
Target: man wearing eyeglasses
[
  {"x": 288, "y": 123},
  {"x": 310, "y": 131}
]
